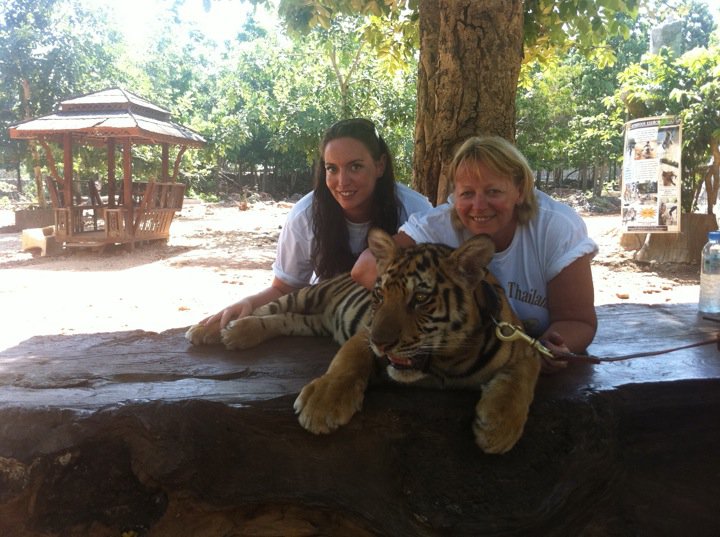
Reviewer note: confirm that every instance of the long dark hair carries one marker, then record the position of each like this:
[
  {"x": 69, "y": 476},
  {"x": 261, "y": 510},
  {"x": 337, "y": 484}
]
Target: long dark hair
[{"x": 331, "y": 250}]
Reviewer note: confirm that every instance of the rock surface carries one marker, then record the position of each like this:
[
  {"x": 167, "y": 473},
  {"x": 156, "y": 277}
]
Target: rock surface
[{"x": 140, "y": 433}]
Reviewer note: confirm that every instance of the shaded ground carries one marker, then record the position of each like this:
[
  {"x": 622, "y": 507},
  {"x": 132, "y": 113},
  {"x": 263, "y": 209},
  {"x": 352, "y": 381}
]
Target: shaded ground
[{"x": 218, "y": 254}]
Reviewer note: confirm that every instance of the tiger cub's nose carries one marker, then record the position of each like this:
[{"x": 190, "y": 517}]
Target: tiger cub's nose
[{"x": 383, "y": 346}]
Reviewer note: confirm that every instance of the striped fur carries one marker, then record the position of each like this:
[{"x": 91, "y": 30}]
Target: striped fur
[{"x": 428, "y": 321}]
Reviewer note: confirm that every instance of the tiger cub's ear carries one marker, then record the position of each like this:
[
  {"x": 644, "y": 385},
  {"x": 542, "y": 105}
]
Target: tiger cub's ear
[
  {"x": 471, "y": 259},
  {"x": 383, "y": 248}
]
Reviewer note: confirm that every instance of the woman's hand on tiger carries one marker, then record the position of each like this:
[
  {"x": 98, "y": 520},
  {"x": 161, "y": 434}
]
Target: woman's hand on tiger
[
  {"x": 555, "y": 344},
  {"x": 208, "y": 331},
  {"x": 240, "y": 309}
]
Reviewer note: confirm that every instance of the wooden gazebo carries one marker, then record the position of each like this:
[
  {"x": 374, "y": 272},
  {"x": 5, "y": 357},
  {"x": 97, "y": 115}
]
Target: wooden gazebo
[{"x": 137, "y": 211}]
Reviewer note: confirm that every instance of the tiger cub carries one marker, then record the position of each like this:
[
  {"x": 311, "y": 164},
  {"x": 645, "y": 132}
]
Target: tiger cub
[{"x": 429, "y": 321}]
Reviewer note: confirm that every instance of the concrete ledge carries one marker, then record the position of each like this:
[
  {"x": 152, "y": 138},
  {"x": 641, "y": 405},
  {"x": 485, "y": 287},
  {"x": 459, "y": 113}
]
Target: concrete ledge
[{"x": 40, "y": 241}]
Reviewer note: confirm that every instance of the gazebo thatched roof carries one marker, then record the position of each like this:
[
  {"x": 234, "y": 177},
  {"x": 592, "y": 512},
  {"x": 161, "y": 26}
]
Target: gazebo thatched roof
[{"x": 111, "y": 113}]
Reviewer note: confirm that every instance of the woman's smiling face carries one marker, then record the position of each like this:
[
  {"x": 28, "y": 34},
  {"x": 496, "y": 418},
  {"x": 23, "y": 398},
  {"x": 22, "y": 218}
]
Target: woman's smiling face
[
  {"x": 485, "y": 202},
  {"x": 350, "y": 175}
]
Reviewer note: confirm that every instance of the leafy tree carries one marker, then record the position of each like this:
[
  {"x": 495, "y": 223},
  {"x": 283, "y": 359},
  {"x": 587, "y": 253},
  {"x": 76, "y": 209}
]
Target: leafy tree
[
  {"x": 562, "y": 119},
  {"x": 698, "y": 25},
  {"x": 687, "y": 87},
  {"x": 270, "y": 98},
  {"x": 684, "y": 84},
  {"x": 49, "y": 50},
  {"x": 177, "y": 73},
  {"x": 470, "y": 58}
]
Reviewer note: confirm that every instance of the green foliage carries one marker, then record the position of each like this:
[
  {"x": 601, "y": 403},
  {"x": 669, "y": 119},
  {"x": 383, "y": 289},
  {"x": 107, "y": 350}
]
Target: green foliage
[
  {"x": 562, "y": 120},
  {"x": 687, "y": 87},
  {"x": 56, "y": 46},
  {"x": 698, "y": 25},
  {"x": 55, "y": 49},
  {"x": 571, "y": 111},
  {"x": 388, "y": 26},
  {"x": 550, "y": 27},
  {"x": 278, "y": 96},
  {"x": 262, "y": 100},
  {"x": 555, "y": 26}
]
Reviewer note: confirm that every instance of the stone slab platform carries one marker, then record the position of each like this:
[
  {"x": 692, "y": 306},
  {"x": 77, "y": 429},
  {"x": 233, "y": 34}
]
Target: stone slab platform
[{"x": 137, "y": 431}]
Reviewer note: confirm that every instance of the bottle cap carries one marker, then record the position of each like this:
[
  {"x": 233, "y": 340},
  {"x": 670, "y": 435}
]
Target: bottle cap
[{"x": 714, "y": 235}]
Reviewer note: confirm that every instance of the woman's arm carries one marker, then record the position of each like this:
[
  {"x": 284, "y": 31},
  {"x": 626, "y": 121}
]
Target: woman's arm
[
  {"x": 245, "y": 307},
  {"x": 364, "y": 271},
  {"x": 571, "y": 301}
]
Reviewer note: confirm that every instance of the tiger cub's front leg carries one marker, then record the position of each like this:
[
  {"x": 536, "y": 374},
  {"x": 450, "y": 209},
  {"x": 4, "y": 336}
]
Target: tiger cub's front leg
[
  {"x": 502, "y": 411},
  {"x": 250, "y": 331},
  {"x": 201, "y": 334},
  {"x": 212, "y": 334},
  {"x": 331, "y": 400}
]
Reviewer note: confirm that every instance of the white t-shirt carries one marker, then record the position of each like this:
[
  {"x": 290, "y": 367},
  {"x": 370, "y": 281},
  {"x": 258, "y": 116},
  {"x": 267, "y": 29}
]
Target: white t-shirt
[
  {"x": 539, "y": 251},
  {"x": 293, "y": 263}
]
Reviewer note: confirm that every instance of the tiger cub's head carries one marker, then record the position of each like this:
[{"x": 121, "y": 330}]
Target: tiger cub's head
[{"x": 431, "y": 308}]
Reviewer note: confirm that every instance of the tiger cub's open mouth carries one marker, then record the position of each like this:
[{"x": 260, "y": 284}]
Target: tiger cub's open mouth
[{"x": 418, "y": 362}]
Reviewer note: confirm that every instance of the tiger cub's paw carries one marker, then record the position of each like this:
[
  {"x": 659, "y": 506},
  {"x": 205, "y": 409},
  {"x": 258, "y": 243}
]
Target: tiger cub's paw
[
  {"x": 328, "y": 402},
  {"x": 497, "y": 429},
  {"x": 200, "y": 334},
  {"x": 243, "y": 333}
]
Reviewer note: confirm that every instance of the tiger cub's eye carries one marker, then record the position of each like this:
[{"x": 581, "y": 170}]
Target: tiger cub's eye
[{"x": 421, "y": 298}]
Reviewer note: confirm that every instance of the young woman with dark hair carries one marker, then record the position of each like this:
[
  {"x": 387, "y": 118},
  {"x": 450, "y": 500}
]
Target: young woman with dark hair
[{"x": 355, "y": 189}]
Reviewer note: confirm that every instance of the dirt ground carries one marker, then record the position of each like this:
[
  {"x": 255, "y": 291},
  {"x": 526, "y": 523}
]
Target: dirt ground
[{"x": 216, "y": 255}]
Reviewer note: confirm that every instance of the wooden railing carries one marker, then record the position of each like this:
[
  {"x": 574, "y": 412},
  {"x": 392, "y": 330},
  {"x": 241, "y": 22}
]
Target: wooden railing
[{"x": 150, "y": 219}]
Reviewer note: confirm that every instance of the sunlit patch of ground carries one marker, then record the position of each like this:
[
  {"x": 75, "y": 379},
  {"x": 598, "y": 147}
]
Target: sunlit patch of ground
[{"x": 219, "y": 254}]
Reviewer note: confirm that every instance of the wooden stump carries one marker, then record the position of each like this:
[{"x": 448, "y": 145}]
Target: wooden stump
[{"x": 683, "y": 247}]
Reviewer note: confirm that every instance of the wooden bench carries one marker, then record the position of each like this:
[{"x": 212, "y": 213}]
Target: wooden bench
[{"x": 150, "y": 217}]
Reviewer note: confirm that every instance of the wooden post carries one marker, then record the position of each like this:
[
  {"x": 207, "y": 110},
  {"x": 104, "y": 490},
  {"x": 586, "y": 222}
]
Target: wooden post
[
  {"x": 50, "y": 161},
  {"x": 165, "y": 164},
  {"x": 111, "y": 172},
  {"x": 67, "y": 170},
  {"x": 178, "y": 158},
  {"x": 127, "y": 185}
]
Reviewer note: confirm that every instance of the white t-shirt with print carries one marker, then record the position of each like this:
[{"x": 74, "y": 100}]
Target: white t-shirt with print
[
  {"x": 539, "y": 251},
  {"x": 293, "y": 263}
]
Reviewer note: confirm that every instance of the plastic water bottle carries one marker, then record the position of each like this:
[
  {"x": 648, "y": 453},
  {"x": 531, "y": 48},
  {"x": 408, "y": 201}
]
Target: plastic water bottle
[{"x": 710, "y": 275}]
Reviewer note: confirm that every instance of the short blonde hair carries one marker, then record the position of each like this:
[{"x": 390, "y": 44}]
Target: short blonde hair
[{"x": 504, "y": 158}]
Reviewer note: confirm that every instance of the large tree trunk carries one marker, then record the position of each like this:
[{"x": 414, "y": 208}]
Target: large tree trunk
[
  {"x": 470, "y": 58},
  {"x": 598, "y": 183}
]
